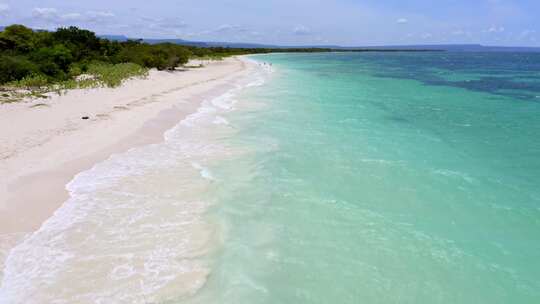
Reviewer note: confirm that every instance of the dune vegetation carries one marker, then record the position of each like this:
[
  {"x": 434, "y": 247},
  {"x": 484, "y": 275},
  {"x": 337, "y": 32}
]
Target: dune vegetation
[
  {"x": 70, "y": 56},
  {"x": 35, "y": 61}
]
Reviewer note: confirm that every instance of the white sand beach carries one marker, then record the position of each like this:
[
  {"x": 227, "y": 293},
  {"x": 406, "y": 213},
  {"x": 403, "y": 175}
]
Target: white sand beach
[{"x": 44, "y": 143}]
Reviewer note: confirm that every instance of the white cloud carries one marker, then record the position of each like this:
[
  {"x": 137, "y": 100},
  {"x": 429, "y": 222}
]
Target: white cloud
[
  {"x": 301, "y": 30},
  {"x": 165, "y": 25},
  {"x": 402, "y": 21},
  {"x": 427, "y": 36},
  {"x": 321, "y": 40},
  {"x": 98, "y": 16},
  {"x": 496, "y": 29},
  {"x": 225, "y": 27},
  {"x": 72, "y": 16},
  {"x": 527, "y": 34},
  {"x": 462, "y": 34},
  {"x": 172, "y": 23},
  {"x": 149, "y": 19},
  {"x": 52, "y": 15},
  {"x": 4, "y": 8},
  {"x": 238, "y": 31},
  {"x": 230, "y": 28},
  {"x": 46, "y": 13}
]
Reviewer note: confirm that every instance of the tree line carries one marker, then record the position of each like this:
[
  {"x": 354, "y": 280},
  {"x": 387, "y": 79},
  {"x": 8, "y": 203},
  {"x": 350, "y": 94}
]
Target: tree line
[{"x": 68, "y": 52}]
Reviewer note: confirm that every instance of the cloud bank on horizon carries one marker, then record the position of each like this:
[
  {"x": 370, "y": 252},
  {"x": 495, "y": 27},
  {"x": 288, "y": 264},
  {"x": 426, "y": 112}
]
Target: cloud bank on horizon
[{"x": 293, "y": 22}]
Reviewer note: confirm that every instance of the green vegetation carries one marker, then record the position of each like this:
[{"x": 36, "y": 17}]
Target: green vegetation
[
  {"x": 33, "y": 62},
  {"x": 37, "y": 59}
]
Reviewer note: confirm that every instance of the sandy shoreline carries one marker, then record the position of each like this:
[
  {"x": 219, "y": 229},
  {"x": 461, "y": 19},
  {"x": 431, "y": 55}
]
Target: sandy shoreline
[{"x": 43, "y": 147}]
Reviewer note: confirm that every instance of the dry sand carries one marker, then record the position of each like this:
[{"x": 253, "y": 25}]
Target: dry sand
[{"x": 45, "y": 143}]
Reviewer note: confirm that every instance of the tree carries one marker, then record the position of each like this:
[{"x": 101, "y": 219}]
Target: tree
[
  {"x": 14, "y": 68},
  {"x": 17, "y": 38},
  {"x": 81, "y": 43},
  {"x": 53, "y": 61}
]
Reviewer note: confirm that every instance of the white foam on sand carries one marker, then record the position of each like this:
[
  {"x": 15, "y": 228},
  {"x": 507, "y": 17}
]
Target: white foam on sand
[
  {"x": 133, "y": 230},
  {"x": 220, "y": 121},
  {"x": 204, "y": 171}
]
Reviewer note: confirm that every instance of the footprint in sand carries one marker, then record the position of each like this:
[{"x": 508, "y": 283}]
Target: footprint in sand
[{"x": 120, "y": 108}]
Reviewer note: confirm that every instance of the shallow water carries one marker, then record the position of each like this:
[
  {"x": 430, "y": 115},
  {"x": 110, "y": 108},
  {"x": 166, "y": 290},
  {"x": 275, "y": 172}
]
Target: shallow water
[
  {"x": 133, "y": 230},
  {"x": 371, "y": 179},
  {"x": 345, "y": 178}
]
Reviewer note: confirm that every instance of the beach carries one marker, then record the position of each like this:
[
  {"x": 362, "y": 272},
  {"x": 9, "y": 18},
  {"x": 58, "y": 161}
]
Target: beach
[
  {"x": 292, "y": 178},
  {"x": 269, "y": 152},
  {"x": 44, "y": 143}
]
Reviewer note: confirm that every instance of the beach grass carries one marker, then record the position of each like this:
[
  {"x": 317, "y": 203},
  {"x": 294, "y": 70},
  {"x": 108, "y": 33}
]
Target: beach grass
[
  {"x": 92, "y": 75},
  {"x": 112, "y": 75}
]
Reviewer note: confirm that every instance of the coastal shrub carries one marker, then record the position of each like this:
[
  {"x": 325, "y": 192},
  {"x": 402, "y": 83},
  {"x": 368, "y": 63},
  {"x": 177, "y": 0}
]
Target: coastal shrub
[
  {"x": 17, "y": 38},
  {"x": 112, "y": 75},
  {"x": 32, "y": 81},
  {"x": 81, "y": 43},
  {"x": 77, "y": 36},
  {"x": 15, "y": 68},
  {"x": 165, "y": 56},
  {"x": 36, "y": 58},
  {"x": 173, "y": 55},
  {"x": 157, "y": 58},
  {"x": 54, "y": 61},
  {"x": 75, "y": 70}
]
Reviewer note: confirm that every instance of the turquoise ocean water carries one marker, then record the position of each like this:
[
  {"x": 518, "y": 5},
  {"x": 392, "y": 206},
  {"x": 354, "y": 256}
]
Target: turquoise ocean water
[{"x": 381, "y": 178}]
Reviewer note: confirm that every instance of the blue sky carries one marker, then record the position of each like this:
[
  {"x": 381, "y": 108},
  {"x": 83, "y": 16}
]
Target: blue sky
[{"x": 293, "y": 22}]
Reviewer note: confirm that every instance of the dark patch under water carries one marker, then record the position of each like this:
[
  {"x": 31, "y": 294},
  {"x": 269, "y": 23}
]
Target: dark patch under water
[
  {"x": 493, "y": 73},
  {"x": 505, "y": 86},
  {"x": 397, "y": 119},
  {"x": 515, "y": 75}
]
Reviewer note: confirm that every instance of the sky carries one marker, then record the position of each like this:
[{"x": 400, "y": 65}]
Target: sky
[{"x": 293, "y": 22}]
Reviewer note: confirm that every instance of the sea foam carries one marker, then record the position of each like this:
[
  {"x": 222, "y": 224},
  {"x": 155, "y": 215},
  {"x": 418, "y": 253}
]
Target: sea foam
[{"x": 133, "y": 225}]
